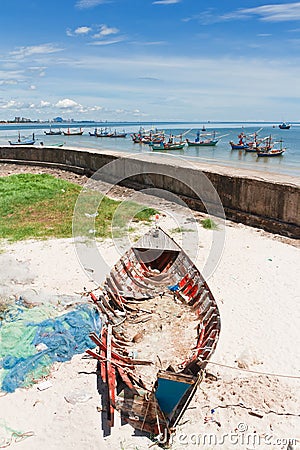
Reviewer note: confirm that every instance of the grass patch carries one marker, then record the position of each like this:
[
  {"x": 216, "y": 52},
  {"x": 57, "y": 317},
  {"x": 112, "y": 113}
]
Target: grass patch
[
  {"x": 181, "y": 230},
  {"x": 209, "y": 224},
  {"x": 41, "y": 206}
]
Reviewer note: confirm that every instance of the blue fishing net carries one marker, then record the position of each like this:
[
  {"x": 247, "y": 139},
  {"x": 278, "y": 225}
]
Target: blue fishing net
[{"x": 29, "y": 345}]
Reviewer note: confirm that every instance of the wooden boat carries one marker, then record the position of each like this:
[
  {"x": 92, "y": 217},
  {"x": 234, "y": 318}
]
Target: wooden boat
[
  {"x": 242, "y": 146},
  {"x": 152, "y": 136},
  {"x": 254, "y": 142},
  {"x": 115, "y": 134},
  {"x": 73, "y": 132},
  {"x": 53, "y": 133},
  {"x": 284, "y": 126},
  {"x": 104, "y": 133},
  {"x": 23, "y": 141},
  {"x": 154, "y": 294},
  {"x": 204, "y": 143},
  {"x": 270, "y": 153},
  {"x": 268, "y": 149},
  {"x": 167, "y": 146},
  {"x": 58, "y": 144},
  {"x": 204, "y": 140},
  {"x": 94, "y": 133}
]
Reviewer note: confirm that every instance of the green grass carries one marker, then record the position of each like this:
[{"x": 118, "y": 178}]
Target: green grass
[
  {"x": 181, "y": 230},
  {"x": 209, "y": 224},
  {"x": 42, "y": 206}
]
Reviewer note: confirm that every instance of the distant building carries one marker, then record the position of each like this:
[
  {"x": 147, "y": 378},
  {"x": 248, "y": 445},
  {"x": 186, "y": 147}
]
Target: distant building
[
  {"x": 21, "y": 120},
  {"x": 58, "y": 119}
]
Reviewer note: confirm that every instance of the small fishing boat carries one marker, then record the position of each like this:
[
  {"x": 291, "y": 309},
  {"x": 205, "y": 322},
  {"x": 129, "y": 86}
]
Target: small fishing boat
[
  {"x": 204, "y": 140},
  {"x": 58, "y": 144},
  {"x": 204, "y": 143},
  {"x": 152, "y": 136},
  {"x": 23, "y": 141},
  {"x": 284, "y": 126},
  {"x": 270, "y": 153},
  {"x": 268, "y": 150},
  {"x": 94, "y": 133},
  {"x": 104, "y": 133},
  {"x": 153, "y": 295},
  {"x": 254, "y": 142},
  {"x": 168, "y": 146},
  {"x": 53, "y": 132},
  {"x": 241, "y": 145},
  {"x": 73, "y": 132},
  {"x": 116, "y": 134}
]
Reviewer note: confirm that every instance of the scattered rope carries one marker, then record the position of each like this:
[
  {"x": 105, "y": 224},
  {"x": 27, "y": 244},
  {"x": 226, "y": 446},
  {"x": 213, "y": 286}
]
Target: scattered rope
[
  {"x": 16, "y": 437},
  {"x": 239, "y": 405},
  {"x": 252, "y": 371}
]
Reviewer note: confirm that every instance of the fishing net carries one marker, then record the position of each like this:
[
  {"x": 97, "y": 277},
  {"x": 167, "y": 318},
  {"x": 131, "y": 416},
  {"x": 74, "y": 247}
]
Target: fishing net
[{"x": 31, "y": 339}]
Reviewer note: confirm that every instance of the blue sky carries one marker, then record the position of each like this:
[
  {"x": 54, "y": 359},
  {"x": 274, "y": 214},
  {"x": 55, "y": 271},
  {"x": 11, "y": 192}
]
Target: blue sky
[{"x": 143, "y": 60}]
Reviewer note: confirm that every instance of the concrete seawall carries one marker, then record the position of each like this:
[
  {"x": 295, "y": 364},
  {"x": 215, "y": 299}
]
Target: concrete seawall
[{"x": 264, "y": 200}]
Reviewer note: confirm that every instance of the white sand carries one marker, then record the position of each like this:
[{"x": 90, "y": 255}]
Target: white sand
[
  {"x": 257, "y": 289},
  {"x": 256, "y": 286}
]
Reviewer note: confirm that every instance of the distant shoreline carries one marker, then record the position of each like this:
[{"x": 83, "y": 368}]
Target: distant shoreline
[{"x": 107, "y": 123}]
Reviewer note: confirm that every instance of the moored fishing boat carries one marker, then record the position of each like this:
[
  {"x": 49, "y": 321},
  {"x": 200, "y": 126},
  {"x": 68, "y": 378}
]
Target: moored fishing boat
[
  {"x": 104, "y": 133},
  {"x": 116, "y": 134},
  {"x": 204, "y": 140},
  {"x": 269, "y": 151},
  {"x": 94, "y": 133},
  {"x": 53, "y": 132},
  {"x": 152, "y": 136},
  {"x": 241, "y": 145},
  {"x": 284, "y": 126},
  {"x": 23, "y": 141},
  {"x": 253, "y": 142},
  {"x": 73, "y": 132},
  {"x": 168, "y": 146},
  {"x": 161, "y": 325}
]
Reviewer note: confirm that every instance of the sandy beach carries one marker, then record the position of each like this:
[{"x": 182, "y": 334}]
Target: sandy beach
[{"x": 253, "y": 381}]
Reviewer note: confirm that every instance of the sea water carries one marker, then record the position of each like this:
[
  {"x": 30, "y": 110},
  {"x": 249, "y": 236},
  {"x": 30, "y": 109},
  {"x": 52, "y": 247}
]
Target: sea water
[{"x": 221, "y": 154}]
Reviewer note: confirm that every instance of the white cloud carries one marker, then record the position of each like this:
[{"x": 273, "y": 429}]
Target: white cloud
[
  {"x": 67, "y": 103},
  {"x": 268, "y": 13},
  {"x": 44, "y": 104},
  {"x": 79, "y": 31},
  {"x": 166, "y": 2},
  {"x": 11, "y": 104},
  {"x": 22, "y": 52},
  {"x": 105, "y": 31},
  {"x": 70, "y": 105},
  {"x": 82, "y": 30},
  {"x": 32, "y": 87},
  {"x": 84, "y": 4}
]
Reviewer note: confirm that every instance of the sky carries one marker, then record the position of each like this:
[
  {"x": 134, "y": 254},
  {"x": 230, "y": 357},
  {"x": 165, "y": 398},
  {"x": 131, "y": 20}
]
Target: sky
[{"x": 150, "y": 60}]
